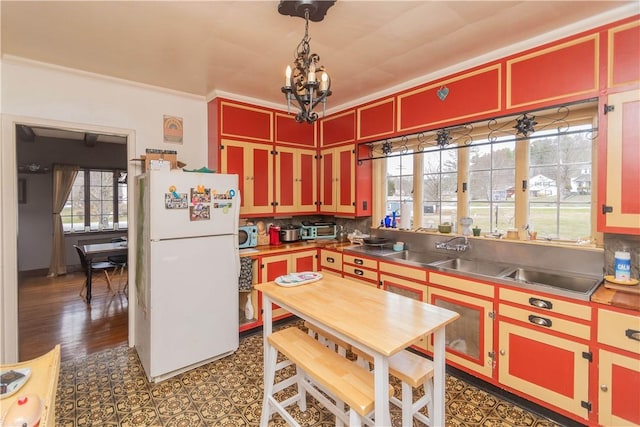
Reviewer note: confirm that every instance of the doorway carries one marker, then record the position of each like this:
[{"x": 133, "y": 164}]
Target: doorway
[{"x": 24, "y": 172}]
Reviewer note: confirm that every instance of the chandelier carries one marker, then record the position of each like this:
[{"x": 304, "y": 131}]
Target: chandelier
[{"x": 307, "y": 83}]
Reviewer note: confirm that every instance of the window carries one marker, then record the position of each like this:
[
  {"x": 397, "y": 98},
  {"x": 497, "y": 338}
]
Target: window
[
  {"x": 560, "y": 184},
  {"x": 97, "y": 201},
  {"x": 399, "y": 184},
  {"x": 491, "y": 185},
  {"x": 440, "y": 186},
  {"x": 555, "y": 157}
]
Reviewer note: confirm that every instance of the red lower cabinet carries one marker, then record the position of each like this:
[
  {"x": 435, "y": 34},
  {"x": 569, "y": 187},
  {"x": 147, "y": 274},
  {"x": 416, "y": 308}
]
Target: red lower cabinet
[
  {"x": 547, "y": 367},
  {"x": 618, "y": 368}
]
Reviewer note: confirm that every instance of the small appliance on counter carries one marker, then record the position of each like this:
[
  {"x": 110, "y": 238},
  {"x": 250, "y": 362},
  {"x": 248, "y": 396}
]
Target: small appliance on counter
[
  {"x": 318, "y": 230},
  {"x": 289, "y": 233},
  {"x": 247, "y": 236},
  {"x": 274, "y": 235}
]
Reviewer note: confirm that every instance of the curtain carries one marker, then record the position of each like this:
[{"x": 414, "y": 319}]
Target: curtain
[{"x": 63, "y": 178}]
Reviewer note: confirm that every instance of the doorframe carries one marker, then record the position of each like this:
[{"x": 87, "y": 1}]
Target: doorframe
[{"x": 9, "y": 223}]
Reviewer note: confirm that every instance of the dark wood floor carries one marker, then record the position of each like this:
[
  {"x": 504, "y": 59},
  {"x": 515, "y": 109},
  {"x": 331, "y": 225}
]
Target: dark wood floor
[{"x": 51, "y": 311}]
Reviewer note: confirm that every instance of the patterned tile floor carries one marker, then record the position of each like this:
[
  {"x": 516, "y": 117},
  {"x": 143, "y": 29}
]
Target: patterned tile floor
[{"x": 110, "y": 388}]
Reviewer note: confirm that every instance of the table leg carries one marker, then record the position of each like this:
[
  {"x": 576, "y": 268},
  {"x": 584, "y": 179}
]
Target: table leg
[
  {"x": 439, "y": 379},
  {"x": 381, "y": 381},
  {"x": 267, "y": 328},
  {"x": 89, "y": 276}
]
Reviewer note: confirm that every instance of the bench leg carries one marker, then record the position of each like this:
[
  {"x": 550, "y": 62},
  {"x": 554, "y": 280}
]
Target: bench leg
[
  {"x": 407, "y": 404},
  {"x": 302, "y": 391}
]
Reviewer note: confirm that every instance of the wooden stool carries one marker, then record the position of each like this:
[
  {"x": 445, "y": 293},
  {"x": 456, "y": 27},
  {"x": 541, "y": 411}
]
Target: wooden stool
[
  {"x": 413, "y": 370},
  {"x": 317, "y": 368}
]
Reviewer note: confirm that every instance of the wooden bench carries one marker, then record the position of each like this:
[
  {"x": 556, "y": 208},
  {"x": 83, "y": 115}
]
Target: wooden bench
[
  {"x": 413, "y": 370},
  {"x": 328, "y": 339},
  {"x": 317, "y": 365}
]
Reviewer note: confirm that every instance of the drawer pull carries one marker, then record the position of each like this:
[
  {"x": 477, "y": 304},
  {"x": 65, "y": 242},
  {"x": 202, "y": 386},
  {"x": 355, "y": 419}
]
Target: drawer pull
[
  {"x": 632, "y": 334},
  {"x": 540, "y": 321},
  {"x": 331, "y": 260},
  {"x": 358, "y": 272},
  {"x": 540, "y": 303},
  {"x": 358, "y": 261}
]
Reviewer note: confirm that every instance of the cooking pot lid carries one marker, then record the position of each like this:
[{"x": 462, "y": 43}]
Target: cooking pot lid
[{"x": 290, "y": 227}]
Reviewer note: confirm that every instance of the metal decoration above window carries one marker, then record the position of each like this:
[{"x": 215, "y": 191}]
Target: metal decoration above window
[{"x": 507, "y": 128}]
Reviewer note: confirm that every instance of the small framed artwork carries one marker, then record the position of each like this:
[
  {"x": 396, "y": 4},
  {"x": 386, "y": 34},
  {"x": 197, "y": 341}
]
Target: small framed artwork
[
  {"x": 172, "y": 129},
  {"x": 22, "y": 191}
]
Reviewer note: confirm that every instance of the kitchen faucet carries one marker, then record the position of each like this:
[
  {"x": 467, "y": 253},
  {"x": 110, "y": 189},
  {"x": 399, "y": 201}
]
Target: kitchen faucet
[{"x": 460, "y": 247}]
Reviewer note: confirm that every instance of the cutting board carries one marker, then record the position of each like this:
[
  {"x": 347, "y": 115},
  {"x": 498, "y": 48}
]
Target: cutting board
[{"x": 634, "y": 289}]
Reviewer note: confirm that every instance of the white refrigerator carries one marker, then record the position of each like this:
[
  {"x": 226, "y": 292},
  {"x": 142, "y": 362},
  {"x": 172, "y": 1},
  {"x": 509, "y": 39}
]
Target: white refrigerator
[{"x": 187, "y": 267}]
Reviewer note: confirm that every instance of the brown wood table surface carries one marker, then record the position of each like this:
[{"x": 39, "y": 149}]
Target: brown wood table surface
[{"x": 379, "y": 323}]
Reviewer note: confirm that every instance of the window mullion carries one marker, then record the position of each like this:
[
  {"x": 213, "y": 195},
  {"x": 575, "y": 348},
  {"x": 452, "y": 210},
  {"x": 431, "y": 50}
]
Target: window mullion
[{"x": 87, "y": 198}]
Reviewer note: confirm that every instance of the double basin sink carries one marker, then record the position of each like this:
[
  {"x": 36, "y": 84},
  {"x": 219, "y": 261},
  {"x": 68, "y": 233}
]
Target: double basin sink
[{"x": 560, "y": 283}]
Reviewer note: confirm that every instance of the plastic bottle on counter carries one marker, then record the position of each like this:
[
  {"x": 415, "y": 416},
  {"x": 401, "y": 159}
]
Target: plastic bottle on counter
[{"x": 622, "y": 266}]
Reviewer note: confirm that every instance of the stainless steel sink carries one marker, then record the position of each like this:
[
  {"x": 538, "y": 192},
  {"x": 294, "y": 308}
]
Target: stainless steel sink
[
  {"x": 566, "y": 282},
  {"x": 485, "y": 268},
  {"x": 418, "y": 257}
]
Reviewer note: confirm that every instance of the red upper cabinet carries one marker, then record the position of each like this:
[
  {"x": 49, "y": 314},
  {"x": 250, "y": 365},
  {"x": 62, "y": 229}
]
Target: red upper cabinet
[
  {"x": 624, "y": 51},
  {"x": 288, "y": 131},
  {"x": 563, "y": 72},
  {"x": 338, "y": 129},
  {"x": 377, "y": 120},
  {"x": 618, "y": 159},
  {"x": 245, "y": 122},
  {"x": 471, "y": 95}
]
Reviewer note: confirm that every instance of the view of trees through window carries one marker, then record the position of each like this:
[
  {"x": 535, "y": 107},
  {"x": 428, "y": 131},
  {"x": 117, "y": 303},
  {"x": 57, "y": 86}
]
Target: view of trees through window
[{"x": 97, "y": 201}]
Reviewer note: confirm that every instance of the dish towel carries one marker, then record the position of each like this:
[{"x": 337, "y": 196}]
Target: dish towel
[{"x": 245, "y": 281}]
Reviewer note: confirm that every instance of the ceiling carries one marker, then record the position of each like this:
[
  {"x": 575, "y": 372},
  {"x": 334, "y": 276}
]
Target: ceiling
[{"x": 241, "y": 48}]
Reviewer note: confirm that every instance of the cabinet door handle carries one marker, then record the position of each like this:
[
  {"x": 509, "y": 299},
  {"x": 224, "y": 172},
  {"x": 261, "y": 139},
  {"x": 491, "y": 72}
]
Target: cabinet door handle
[
  {"x": 358, "y": 272},
  {"x": 540, "y": 303},
  {"x": 632, "y": 334},
  {"x": 331, "y": 260},
  {"x": 540, "y": 321},
  {"x": 358, "y": 261}
]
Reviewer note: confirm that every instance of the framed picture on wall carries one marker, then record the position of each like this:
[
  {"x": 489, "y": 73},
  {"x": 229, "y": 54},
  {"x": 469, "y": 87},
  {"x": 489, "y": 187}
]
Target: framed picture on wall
[
  {"x": 22, "y": 190},
  {"x": 172, "y": 129}
]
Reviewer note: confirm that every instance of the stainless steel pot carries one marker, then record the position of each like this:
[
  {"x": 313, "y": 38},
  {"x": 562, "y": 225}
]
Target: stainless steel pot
[{"x": 289, "y": 233}]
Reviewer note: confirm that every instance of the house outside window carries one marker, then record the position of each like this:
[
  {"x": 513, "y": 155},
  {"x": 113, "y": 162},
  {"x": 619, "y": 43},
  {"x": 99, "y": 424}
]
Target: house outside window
[{"x": 97, "y": 202}]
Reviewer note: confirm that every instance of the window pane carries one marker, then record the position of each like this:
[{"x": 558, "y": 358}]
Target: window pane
[
  {"x": 560, "y": 184},
  {"x": 101, "y": 200},
  {"x": 399, "y": 183},
  {"x": 73, "y": 212},
  {"x": 440, "y": 182}
]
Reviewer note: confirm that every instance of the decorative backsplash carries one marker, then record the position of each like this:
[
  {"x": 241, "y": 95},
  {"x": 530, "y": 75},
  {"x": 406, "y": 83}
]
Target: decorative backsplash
[{"x": 622, "y": 242}]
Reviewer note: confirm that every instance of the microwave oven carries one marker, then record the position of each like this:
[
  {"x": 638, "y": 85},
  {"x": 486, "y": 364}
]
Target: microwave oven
[{"x": 247, "y": 236}]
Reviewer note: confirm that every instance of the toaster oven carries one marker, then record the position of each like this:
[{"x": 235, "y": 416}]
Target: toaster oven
[
  {"x": 317, "y": 230},
  {"x": 247, "y": 236}
]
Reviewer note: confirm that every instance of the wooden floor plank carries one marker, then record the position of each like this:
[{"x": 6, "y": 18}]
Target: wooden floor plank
[{"x": 51, "y": 311}]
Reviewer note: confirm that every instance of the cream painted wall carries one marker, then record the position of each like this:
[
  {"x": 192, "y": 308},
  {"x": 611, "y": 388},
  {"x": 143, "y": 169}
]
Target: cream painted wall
[{"x": 41, "y": 94}]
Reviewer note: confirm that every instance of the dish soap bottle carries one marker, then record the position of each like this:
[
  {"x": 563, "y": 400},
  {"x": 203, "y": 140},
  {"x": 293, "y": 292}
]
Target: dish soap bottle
[{"x": 248, "y": 308}]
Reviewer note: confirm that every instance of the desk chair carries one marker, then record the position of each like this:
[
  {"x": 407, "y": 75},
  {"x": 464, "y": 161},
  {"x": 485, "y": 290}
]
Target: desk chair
[
  {"x": 96, "y": 267},
  {"x": 119, "y": 261}
]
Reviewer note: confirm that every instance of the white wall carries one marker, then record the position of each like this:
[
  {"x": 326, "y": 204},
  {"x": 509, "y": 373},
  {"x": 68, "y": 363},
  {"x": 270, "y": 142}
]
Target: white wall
[{"x": 40, "y": 94}]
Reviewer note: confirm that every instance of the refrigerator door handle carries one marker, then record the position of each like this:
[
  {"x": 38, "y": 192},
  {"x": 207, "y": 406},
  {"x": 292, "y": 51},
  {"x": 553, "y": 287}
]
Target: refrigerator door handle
[{"x": 236, "y": 218}]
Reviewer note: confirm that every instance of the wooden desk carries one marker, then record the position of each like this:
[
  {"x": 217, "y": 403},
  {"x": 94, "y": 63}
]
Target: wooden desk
[
  {"x": 377, "y": 322},
  {"x": 101, "y": 249}
]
